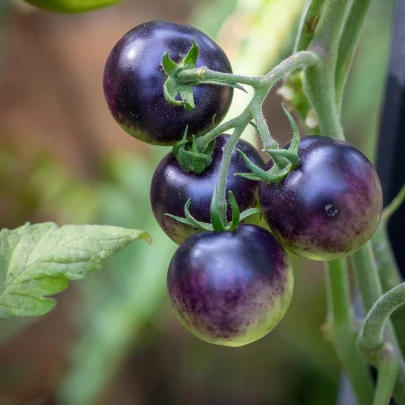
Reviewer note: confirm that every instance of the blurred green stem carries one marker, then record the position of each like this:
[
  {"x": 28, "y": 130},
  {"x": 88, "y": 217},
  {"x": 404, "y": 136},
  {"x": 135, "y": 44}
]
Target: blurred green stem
[
  {"x": 348, "y": 43},
  {"x": 372, "y": 332},
  {"x": 387, "y": 375},
  {"x": 389, "y": 274},
  {"x": 308, "y": 23},
  {"x": 370, "y": 288},
  {"x": 388, "y": 270},
  {"x": 319, "y": 81},
  {"x": 394, "y": 205},
  {"x": 4, "y": 9},
  {"x": 342, "y": 331}
]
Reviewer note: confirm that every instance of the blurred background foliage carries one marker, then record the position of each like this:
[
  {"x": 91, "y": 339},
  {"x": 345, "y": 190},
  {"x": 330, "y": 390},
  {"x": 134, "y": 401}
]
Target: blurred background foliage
[{"x": 113, "y": 338}]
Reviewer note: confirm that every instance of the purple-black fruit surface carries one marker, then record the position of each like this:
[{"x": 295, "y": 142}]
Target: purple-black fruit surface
[
  {"x": 171, "y": 187},
  {"x": 329, "y": 205},
  {"x": 230, "y": 288},
  {"x": 134, "y": 79}
]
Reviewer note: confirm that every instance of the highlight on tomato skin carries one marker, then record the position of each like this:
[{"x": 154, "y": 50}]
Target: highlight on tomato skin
[
  {"x": 230, "y": 288},
  {"x": 329, "y": 205},
  {"x": 171, "y": 187},
  {"x": 134, "y": 80}
]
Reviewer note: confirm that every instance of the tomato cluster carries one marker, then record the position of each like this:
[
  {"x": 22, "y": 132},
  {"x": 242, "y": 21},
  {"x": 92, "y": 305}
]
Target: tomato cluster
[{"x": 232, "y": 287}]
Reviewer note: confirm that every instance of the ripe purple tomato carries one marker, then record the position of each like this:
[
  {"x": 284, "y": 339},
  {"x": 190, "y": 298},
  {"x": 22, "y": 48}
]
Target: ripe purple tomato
[
  {"x": 329, "y": 205},
  {"x": 134, "y": 79},
  {"x": 230, "y": 288},
  {"x": 171, "y": 188}
]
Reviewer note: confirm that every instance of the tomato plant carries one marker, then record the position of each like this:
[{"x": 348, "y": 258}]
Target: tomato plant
[
  {"x": 230, "y": 288},
  {"x": 229, "y": 282},
  {"x": 134, "y": 79}
]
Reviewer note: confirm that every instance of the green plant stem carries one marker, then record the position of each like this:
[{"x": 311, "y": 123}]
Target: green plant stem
[
  {"x": 319, "y": 88},
  {"x": 296, "y": 96},
  {"x": 372, "y": 332},
  {"x": 223, "y": 174},
  {"x": 294, "y": 62},
  {"x": 342, "y": 331},
  {"x": 348, "y": 42},
  {"x": 202, "y": 74},
  {"x": 367, "y": 276},
  {"x": 389, "y": 274},
  {"x": 371, "y": 340},
  {"x": 4, "y": 8},
  {"x": 387, "y": 268},
  {"x": 308, "y": 23},
  {"x": 319, "y": 81},
  {"x": 263, "y": 129},
  {"x": 262, "y": 86},
  {"x": 205, "y": 140},
  {"x": 394, "y": 204},
  {"x": 371, "y": 291},
  {"x": 387, "y": 375}
]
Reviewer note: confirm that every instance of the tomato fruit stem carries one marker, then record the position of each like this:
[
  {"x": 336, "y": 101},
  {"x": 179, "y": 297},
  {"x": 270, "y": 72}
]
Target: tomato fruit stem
[
  {"x": 223, "y": 174},
  {"x": 262, "y": 86}
]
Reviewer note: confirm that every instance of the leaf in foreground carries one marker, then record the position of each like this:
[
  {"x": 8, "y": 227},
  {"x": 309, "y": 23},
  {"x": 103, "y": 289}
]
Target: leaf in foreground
[{"x": 38, "y": 260}]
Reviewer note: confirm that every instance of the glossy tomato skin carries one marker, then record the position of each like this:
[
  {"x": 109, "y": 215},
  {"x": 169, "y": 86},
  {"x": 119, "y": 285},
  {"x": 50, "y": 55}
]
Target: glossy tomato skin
[
  {"x": 329, "y": 206},
  {"x": 230, "y": 288},
  {"x": 171, "y": 187},
  {"x": 134, "y": 78}
]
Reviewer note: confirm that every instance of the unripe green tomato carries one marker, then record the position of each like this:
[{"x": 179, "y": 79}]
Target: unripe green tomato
[{"x": 71, "y": 6}]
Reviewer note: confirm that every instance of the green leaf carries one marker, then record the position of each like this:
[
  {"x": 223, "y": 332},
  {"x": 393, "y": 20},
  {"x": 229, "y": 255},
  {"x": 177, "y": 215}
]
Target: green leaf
[
  {"x": 71, "y": 6},
  {"x": 38, "y": 260}
]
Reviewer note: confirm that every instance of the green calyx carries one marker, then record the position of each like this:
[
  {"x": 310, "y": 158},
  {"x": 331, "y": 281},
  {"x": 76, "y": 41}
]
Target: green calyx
[
  {"x": 284, "y": 160},
  {"x": 190, "y": 158},
  {"x": 216, "y": 222},
  {"x": 174, "y": 87}
]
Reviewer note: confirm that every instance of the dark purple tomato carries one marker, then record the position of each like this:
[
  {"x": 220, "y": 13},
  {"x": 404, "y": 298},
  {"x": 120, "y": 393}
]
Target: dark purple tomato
[
  {"x": 329, "y": 205},
  {"x": 230, "y": 288},
  {"x": 172, "y": 186},
  {"x": 134, "y": 79}
]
